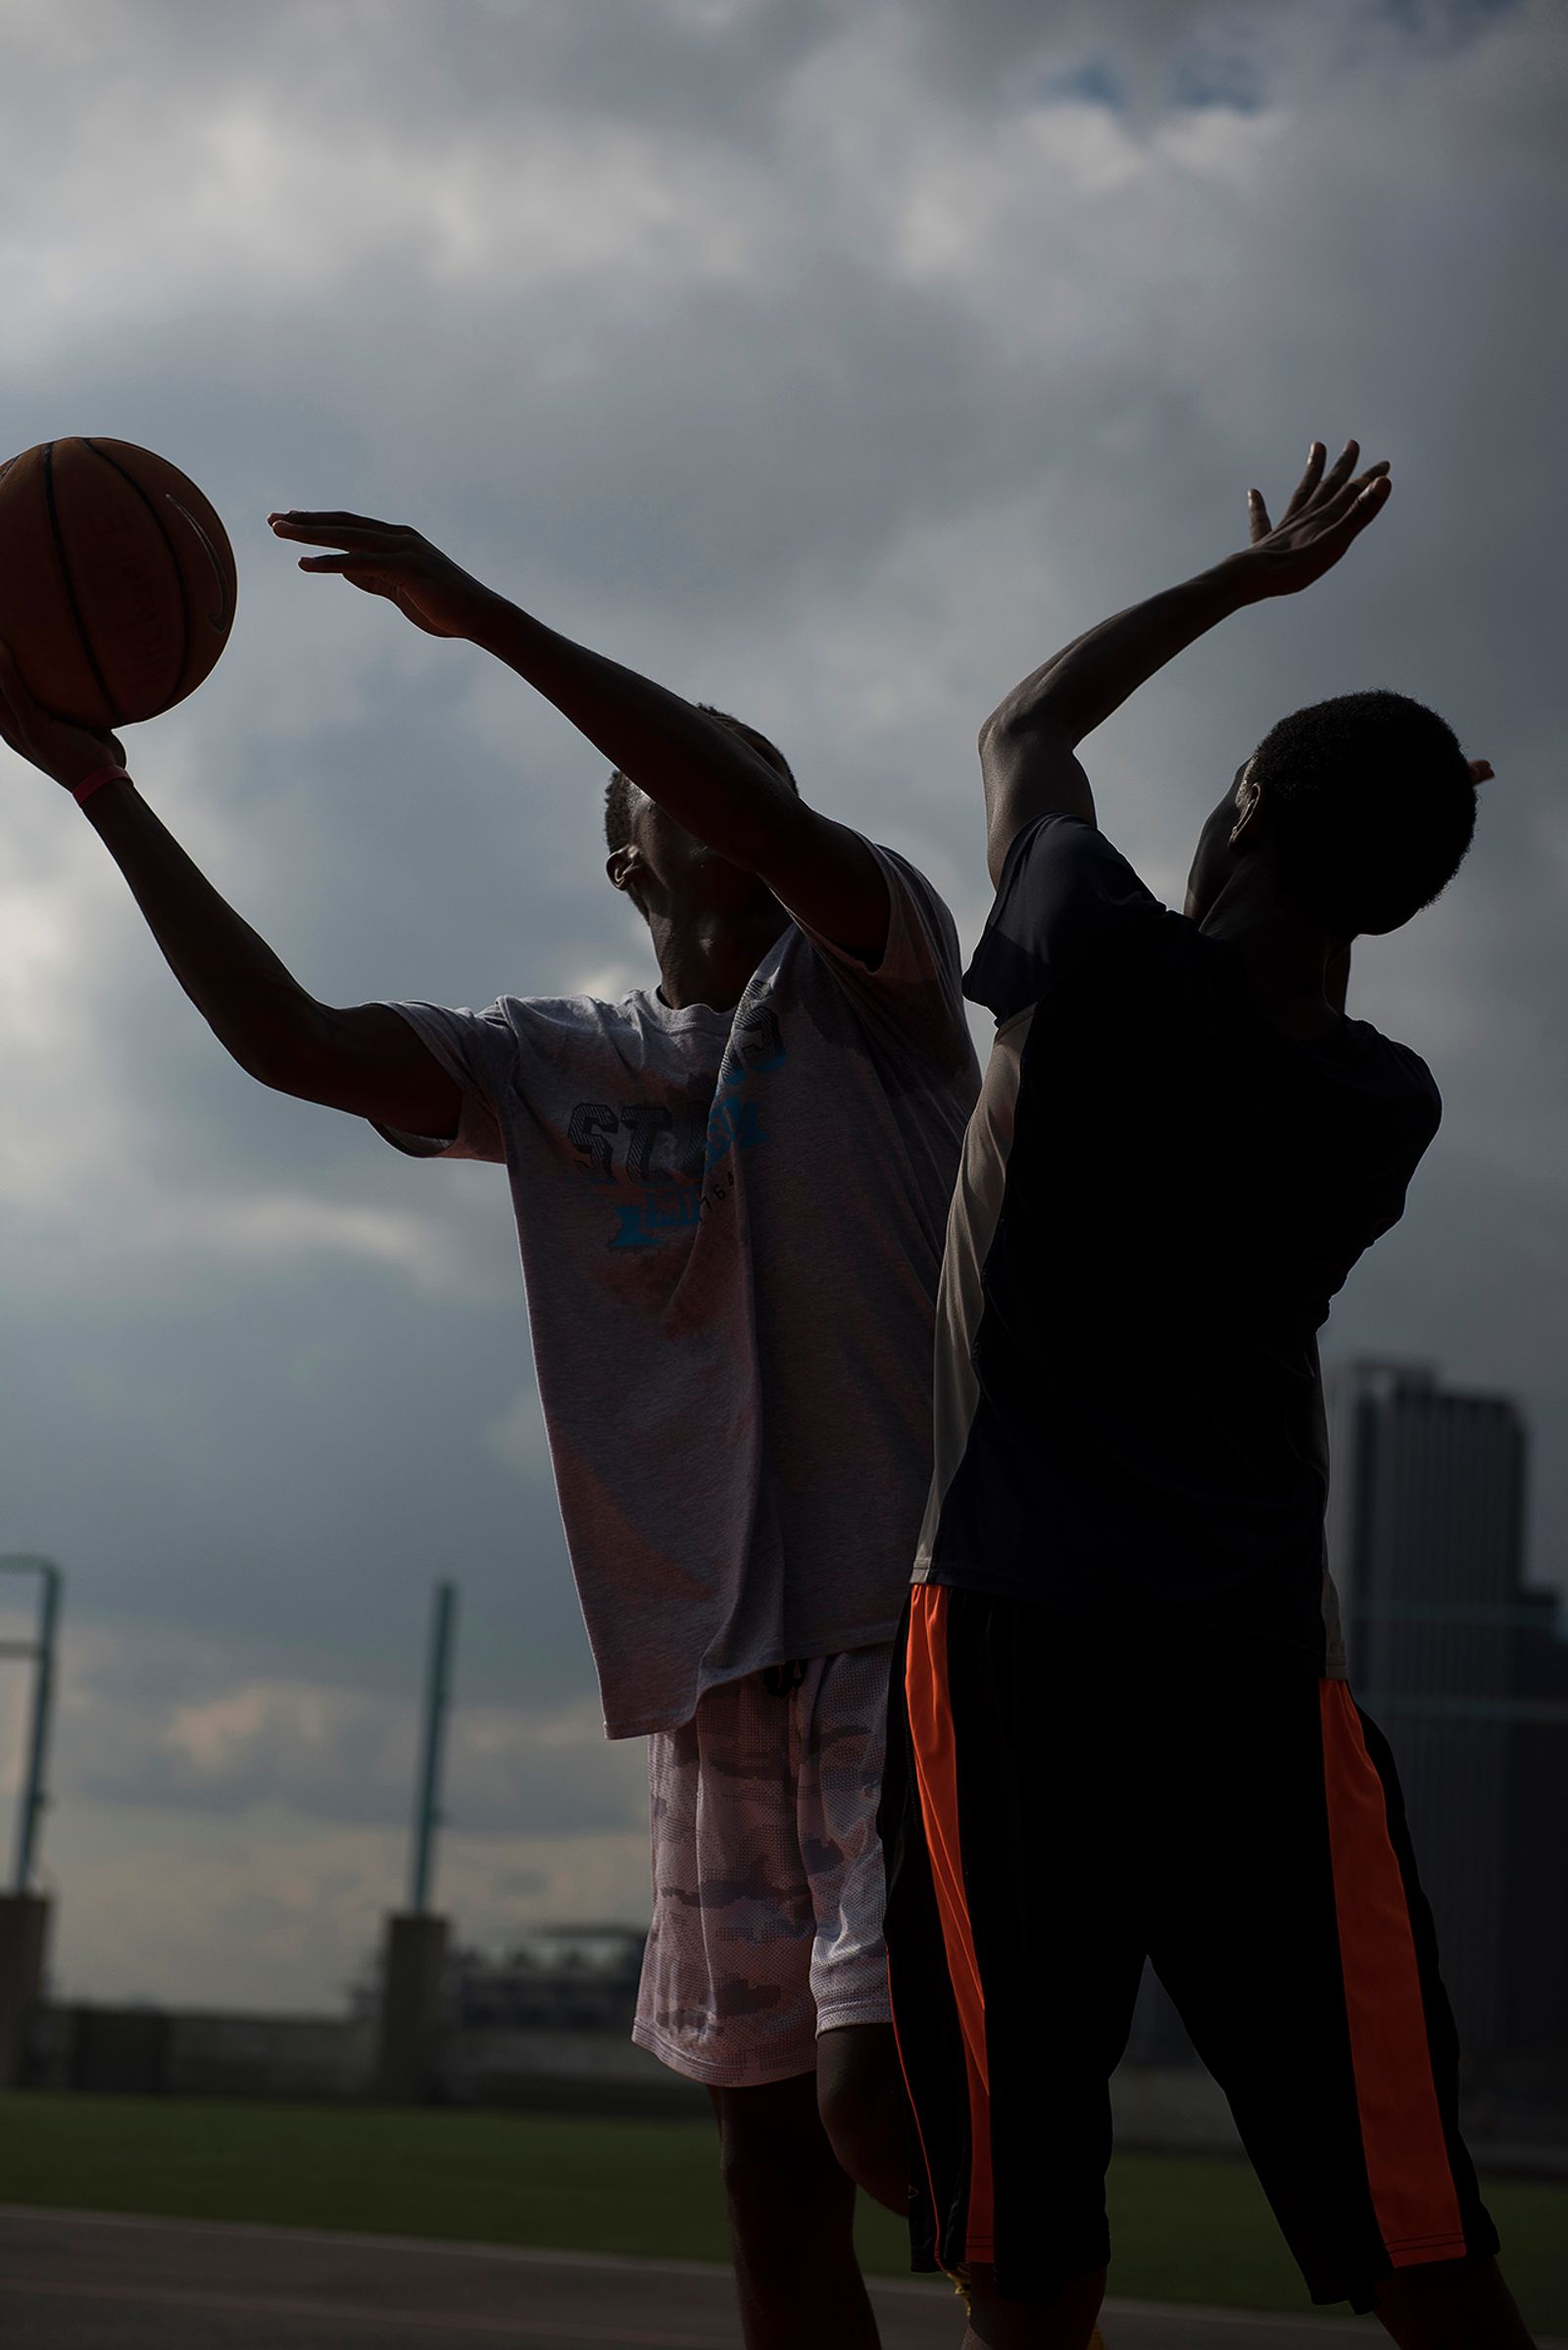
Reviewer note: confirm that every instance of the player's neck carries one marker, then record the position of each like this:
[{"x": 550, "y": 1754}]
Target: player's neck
[
  {"x": 1284, "y": 954},
  {"x": 709, "y": 959}
]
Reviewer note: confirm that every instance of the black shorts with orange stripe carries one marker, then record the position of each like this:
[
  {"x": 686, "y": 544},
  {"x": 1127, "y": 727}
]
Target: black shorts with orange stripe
[{"x": 1063, "y": 1803}]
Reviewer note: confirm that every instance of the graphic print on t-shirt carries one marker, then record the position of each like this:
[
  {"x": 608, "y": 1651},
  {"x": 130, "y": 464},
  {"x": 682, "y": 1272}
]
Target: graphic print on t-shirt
[{"x": 676, "y": 1156}]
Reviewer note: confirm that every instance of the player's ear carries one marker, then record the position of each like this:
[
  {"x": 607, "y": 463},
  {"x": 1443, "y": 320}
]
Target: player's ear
[
  {"x": 1248, "y": 808},
  {"x": 624, "y": 865}
]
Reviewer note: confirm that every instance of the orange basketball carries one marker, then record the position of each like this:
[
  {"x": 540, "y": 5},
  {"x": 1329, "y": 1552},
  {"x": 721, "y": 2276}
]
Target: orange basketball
[{"x": 117, "y": 579}]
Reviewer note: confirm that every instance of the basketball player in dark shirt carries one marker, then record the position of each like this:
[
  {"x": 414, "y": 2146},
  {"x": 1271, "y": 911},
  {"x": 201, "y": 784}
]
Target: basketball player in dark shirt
[{"x": 1125, "y": 1731}]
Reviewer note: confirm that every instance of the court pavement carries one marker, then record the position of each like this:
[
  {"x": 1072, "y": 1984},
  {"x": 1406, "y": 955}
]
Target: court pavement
[{"x": 87, "y": 2281}]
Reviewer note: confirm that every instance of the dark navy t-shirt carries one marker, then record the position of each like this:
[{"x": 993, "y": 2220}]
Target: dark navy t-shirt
[{"x": 1160, "y": 1195}]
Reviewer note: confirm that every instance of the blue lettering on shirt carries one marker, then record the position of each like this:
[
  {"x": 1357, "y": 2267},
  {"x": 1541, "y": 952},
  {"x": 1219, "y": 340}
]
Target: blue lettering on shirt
[{"x": 617, "y": 1144}]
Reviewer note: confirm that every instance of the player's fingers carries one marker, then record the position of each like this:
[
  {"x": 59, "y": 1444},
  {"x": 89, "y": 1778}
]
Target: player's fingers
[
  {"x": 371, "y": 577},
  {"x": 356, "y": 562},
  {"x": 323, "y": 518},
  {"x": 1365, "y": 491},
  {"x": 1361, "y": 500},
  {"x": 339, "y": 534},
  {"x": 1481, "y": 770},
  {"x": 1339, "y": 473},
  {"x": 1345, "y": 498},
  {"x": 1329, "y": 513},
  {"x": 1308, "y": 482},
  {"x": 1351, "y": 489},
  {"x": 1258, "y": 524}
]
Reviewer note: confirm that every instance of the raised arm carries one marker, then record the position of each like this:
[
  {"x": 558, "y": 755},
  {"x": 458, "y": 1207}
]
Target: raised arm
[
  {"x": 700, "y": 773},
  {"x": 363, "y": 1059},
  {"x": 1028, "y": 744}
]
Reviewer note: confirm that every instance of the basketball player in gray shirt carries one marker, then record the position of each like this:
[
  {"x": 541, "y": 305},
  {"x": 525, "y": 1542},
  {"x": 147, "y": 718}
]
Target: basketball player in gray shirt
[{"x": 731, "y": 1191}]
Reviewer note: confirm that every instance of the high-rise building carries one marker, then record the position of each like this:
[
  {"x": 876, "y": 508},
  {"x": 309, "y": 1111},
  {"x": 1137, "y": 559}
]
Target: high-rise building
[{"x": 1462, "y": 1666}]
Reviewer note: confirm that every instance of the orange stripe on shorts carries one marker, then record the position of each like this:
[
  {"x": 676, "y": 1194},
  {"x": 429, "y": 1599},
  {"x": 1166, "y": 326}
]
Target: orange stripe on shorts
[
  {"x": 932, "y": 1736},
  {"x": 1407, "y": 2168}
]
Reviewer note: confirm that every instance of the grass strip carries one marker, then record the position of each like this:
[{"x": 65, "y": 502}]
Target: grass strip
[{"x": 1185, "y": 2227}]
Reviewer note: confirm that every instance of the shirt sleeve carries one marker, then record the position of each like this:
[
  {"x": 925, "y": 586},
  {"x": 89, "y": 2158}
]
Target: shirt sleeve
[
  {"x": 917, "y": 989},
  {"x": 479, "y": 1051},
  {"x": 1063, "y": 890},
  {"x": 1416, "y": 1113}
]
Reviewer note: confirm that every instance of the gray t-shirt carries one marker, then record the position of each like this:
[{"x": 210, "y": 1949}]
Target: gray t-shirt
[{"x": 731, "y": 1229}]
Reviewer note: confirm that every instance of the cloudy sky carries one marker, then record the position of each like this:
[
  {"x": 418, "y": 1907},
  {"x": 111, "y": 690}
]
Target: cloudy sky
[{"x": 828, "y": 359}]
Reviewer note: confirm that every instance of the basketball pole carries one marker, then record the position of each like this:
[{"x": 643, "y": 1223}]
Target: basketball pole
[
  {"x": 42, "y": 1653},
  {"x": 414, "y": 1963},
  {"x": 427, "y": 1794},
  {"x": 24, "y": 1914}
]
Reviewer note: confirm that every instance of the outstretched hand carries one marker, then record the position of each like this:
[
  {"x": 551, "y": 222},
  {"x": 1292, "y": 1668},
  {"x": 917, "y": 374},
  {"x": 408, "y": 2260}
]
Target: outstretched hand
[
  {"x": 1326, "y": 512},
  {"x": 67, "y": 754},
  {"x": 391, "y": 560}
]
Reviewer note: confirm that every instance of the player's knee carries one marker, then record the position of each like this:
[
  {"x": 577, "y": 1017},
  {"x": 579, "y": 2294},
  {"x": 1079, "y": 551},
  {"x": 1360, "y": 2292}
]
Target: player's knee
[
  {"x": 767, "y": 2167},
  {"x": 869, "y": 2142},
  {"x": 859, "y": 2094}
]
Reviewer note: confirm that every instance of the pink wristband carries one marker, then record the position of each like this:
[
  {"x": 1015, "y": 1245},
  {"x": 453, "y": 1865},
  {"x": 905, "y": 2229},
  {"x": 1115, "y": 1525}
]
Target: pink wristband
[{"x": 96, "y": 781}]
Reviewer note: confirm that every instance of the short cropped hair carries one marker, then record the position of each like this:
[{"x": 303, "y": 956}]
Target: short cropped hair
[
  {"x": 618, "y": 790},
  {"x": 1373, "y": 806}
]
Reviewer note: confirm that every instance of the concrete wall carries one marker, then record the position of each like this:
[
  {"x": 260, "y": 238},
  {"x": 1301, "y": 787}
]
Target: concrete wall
[{"x": 153, "y": 2051}]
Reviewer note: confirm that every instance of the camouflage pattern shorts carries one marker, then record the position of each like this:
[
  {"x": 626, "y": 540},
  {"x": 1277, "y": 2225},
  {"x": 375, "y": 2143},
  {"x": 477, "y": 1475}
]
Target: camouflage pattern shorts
[{"x": 767, "y": 1872}]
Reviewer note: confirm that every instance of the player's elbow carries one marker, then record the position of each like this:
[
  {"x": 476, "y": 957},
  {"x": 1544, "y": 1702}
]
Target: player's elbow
[
  {"x": 279, "y": 1067},
  {"x": 1021, "y": 723},
  {"x": 288, "y": 1054},
  {"x": 994, "y": 729}
]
